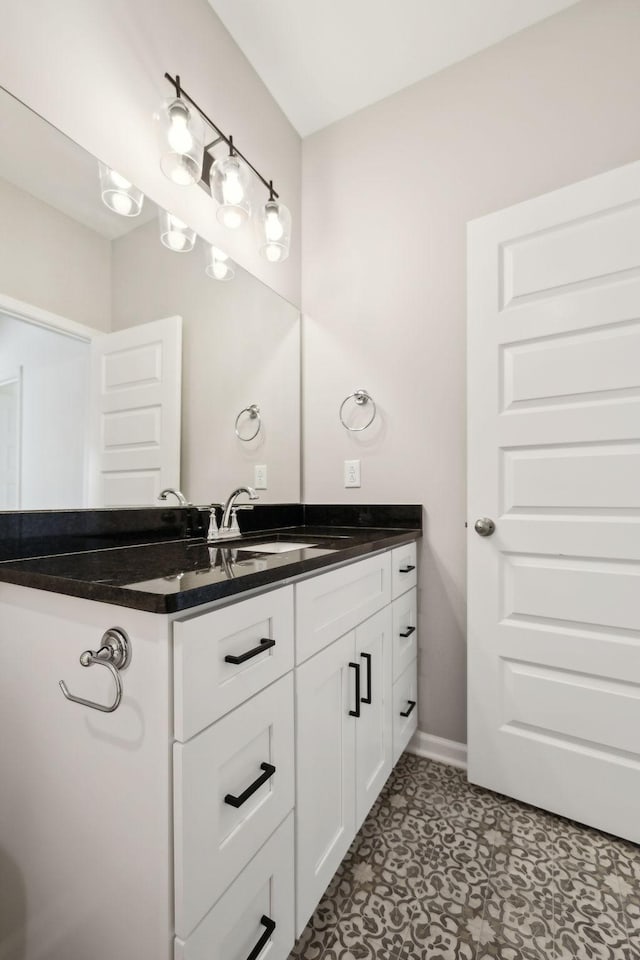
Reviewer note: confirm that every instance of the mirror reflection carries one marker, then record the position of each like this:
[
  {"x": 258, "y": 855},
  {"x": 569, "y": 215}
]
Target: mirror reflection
[{"x": 128, "y": 364}]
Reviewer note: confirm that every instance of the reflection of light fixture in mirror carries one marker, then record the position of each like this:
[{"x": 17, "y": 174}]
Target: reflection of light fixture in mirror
[
  {"x": 175, "y": 234},
  {"x": 118, "y": 193},
  {"x": 182, "y": 133},
  {"x": 274, "y": 229},
  {"x": 219, "y": 266},
  {"x": 229, "y": 182}
]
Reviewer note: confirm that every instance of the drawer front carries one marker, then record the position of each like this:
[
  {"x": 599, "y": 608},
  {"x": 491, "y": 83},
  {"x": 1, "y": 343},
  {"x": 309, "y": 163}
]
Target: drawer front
[
  {"x": 235, "y": 926},
  {"x": 405, "y": 631},
  {"x": 331, "y": 604},
  {"x": 213, "y": 838},
  {"x": 405, "y": 692},
  {"x": 404, "y": 569},
  {"x": 207, "y": 685}
]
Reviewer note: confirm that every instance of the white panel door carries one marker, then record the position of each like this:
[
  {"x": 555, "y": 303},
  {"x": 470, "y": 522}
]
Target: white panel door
[
  {"x": 134, "y": 414},
  {"x": 554, "y": 460}
]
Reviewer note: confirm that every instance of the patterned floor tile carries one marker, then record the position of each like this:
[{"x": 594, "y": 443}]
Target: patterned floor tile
[{"x": 445, "y": 870}]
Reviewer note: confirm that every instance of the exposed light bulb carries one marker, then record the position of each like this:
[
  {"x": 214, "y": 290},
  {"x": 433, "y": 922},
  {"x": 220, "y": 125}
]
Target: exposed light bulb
[
  {"x": 175, "y": 234},
  {"x": 220, "y": 270},
  {"x": 182, "y": 174},
  {"x": 176, "y": 240},
  {"x": 178, "y": 134},
  {"x": 272, "y": 226},
  {"x": 231, "y": 217},
  {"x": 232, "y": 189},
  {"x": 121, "y": 203},
  {"x": 219, "y": 266},
  {"x": 273, "y": 252}
]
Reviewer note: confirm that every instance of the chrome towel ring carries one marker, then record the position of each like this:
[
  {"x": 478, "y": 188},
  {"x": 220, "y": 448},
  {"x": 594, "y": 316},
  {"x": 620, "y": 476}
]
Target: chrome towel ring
[
  {"x": 254, "y": 414},
  {"x": 361, "y": 397},
  {"x": 115, "y": 655}
]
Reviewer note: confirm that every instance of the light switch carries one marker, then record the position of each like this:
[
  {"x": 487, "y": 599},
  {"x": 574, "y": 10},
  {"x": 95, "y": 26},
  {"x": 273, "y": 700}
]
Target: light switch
[
  {"x": 260, "y": 476},
  {"x": 352, "y": 473}
]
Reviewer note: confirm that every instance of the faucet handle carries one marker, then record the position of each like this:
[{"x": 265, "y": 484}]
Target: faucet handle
[{"x": 242, "y": 506}]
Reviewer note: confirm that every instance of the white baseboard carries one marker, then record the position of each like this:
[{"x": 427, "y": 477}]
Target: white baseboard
[{"x": 437, "y": 748}]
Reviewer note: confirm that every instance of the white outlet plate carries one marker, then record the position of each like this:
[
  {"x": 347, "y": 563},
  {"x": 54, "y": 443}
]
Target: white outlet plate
[
  {"x": 352, "y": 473},
  {"x": 260, "y": 476}
]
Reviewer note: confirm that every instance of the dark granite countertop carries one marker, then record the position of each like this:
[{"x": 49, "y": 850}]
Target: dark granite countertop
[{"x": 174, "y": 575}]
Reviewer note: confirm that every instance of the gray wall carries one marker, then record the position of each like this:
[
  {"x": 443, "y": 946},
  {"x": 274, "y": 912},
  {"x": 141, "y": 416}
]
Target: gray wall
[{"x": 386, "y": 196}]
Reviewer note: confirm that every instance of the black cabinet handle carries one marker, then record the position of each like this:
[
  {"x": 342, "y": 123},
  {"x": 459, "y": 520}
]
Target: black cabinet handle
[
  {"x": 367, "y": 657},
  {"x": 408, "y": 632},
  {"x": 406, "y": 569},
  {"x": 356, "y": 712},
  {"x": 262, "y": 646},
  {"x": 408, "y": 712},
  {"x": 269, "y": 771},
  {"x": 270, "y": 926}
]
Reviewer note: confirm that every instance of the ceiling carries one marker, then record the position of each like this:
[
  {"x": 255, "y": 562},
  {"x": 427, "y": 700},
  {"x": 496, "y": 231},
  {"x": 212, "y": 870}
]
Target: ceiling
[{"x": 324, "y": 59}]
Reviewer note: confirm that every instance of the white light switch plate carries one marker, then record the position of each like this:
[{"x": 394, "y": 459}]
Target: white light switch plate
[
  {"x": 352, "y": 473},
  {"x": 260, "y": 476}
]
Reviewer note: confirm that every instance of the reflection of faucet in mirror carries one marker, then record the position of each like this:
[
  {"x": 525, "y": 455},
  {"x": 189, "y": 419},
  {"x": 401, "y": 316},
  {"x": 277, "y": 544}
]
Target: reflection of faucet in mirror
[
  {"x": 229, "y": 526},
  {"x": 182, "y": 500}
]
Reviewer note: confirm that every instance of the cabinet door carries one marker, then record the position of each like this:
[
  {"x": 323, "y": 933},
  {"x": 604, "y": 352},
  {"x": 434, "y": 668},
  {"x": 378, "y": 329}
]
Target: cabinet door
[
  {"x": 405, "y": 631},
  {"x": 404, "y": 574},
  {"x": 228, "y": 798},
  {"x": 405, "y": 714},
  {"x": 258, "y": 902},
  {"x": 374, "y": 726},
  {"x": 325, "y": 774}
]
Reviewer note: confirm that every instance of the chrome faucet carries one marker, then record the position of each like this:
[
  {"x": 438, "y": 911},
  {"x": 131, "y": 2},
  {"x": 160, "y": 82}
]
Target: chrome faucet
[
  {"x": 230, "y": 507},
  {"x": 182, "y": 500}
]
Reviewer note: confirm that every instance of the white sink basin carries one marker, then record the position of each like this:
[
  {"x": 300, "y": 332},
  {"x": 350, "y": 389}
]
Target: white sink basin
[{"x": 278, "y": 546}]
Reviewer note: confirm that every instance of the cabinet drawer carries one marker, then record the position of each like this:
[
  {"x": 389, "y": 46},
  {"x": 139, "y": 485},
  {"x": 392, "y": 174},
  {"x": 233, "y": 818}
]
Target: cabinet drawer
[
  {"x": 331, "y": 604},
  {"x": 213, "y": 839},
  {"x": 264, "y": 889},
  {"x": 206, "y": 685},
  {"x": 403, "y": 569},
  {"x": 405, "y": 693},
  {"x": 405, "y": 631}
]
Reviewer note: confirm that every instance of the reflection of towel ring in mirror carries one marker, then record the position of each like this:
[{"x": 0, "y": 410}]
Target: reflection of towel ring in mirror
[
  {"x": 361, "y": 397},
  {"x": 254, "y": 414}
]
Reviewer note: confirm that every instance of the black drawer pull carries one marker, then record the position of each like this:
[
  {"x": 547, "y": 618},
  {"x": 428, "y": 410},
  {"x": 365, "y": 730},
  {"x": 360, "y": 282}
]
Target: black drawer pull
[
  {"x": 408, "y": 632},
  {"x": 262, "y": 646},
  {"x": 269, "y": 771},
  {"x": 367, "y": 657},
  {"x": 270, "y": 927},
  {"x": 356, "y": 712},
  {"x": 408, "y": 712},
  {"x": 406, "y": 569}
]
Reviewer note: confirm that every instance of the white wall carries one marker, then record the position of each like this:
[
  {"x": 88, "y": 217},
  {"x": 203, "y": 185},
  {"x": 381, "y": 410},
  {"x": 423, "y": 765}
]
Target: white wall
[
  {"x": 386, "y": 196},
  {"x": 51, "y": 261},
  {"x": 95, "y": 69},
  {"x": 241, "y": 345},
  {"x": 55, "y": 374}
]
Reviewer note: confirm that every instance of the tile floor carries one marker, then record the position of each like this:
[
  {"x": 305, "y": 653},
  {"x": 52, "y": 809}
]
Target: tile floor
[{"x": 442, "y": 870}]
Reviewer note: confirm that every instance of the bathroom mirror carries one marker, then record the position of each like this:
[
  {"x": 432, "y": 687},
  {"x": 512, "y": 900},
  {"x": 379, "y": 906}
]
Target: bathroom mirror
[{"x": 72, "y": 271}]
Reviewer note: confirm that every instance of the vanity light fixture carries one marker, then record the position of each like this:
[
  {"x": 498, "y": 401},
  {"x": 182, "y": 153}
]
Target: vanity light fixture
[
  {"x": 227, "y": 178},
  {"x": 182, "y": 137},
  {"x": 118, "y": 193},
  {"x": 273, "y": 227},
  {"x": 219, "y": 266},
  {"x": 175, "y": 235}
]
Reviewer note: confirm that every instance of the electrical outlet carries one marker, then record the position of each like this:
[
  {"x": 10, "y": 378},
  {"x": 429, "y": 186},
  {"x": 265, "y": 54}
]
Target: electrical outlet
[
  {"x": 352, "y": 473},
  {"x": 260, "y": 476}
]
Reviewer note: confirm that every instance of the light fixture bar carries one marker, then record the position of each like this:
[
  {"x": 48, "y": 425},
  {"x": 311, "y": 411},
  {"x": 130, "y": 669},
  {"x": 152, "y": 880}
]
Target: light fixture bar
[{"x": 180, "y": 92}]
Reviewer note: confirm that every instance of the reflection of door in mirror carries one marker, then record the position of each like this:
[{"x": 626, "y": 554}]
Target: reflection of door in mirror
[{"x": 10, "y": 437}]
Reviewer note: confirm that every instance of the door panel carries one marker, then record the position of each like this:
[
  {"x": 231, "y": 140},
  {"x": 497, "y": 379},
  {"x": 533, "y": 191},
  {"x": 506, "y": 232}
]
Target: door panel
[
  {"x": 374, "y": 733},
  {"x": 554, "y": 460}
]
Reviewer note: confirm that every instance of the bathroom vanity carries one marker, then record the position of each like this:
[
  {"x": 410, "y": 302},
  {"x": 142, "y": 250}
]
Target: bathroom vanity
[{"x": 267, "y": 698}]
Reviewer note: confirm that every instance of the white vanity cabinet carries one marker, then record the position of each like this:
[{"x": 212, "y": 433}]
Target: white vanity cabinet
[{"x": 225, "y": 788}]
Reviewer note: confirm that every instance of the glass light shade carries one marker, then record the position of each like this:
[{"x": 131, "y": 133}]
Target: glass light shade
[
  {"x": 219, "y": 266},
  {"x": 273, "y": 226},
  {"x": 118, "y": 193},
  {"x": 182, "y": 142},
  {"x": 175, "y": 235},
  {"x": 230, "y": 183}
]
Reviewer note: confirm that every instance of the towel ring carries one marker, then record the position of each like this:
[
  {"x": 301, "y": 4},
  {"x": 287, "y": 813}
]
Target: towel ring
[
  {"x": 361, "y": 397},
  {"x": 254, "y": 414}
]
